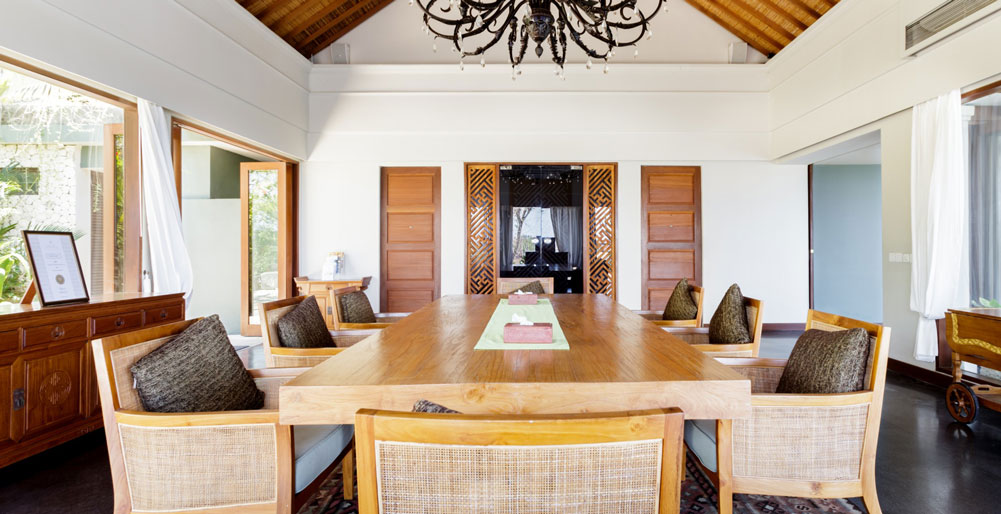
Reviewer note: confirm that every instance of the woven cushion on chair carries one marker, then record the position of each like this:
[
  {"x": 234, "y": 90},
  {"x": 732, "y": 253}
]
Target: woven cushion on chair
[
  {"x": 303, "y": 327},
  {"x": 197, "y": 371},
  {"x": 533, "y": 287},
  {"x": 729, "y": 323},
  {"x": 825, "y": 362},
  {"x": 681, "y": 305},
  {"x": 356, "y": 309}
]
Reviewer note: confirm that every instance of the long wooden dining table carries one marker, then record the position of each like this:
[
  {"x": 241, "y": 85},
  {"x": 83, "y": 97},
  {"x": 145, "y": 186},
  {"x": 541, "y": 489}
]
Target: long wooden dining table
[{"x": 617, "y": 361}]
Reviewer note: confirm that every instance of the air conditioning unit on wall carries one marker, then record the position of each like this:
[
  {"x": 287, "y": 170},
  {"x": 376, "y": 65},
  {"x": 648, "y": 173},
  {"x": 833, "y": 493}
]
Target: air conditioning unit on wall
[{"x": 931, "y": 21}]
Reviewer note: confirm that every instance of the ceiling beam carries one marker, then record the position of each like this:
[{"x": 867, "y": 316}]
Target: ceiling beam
[
  {"x": 813, "y": 14},
  {"x": 317, "y": 16},
  {"x": 272, "y": 8},
  {"x": 786, "y": 36},
  {"x": 295, "y": 14},
  {"x": 762, "y": 45},
  {"x": 785, "y": 14},
  {"x": 332, "y": 36}
]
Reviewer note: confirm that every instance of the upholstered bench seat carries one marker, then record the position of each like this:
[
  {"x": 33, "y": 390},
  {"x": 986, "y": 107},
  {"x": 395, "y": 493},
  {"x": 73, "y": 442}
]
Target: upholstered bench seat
[
  {"x": 700, "y": 437},
  {"x": 316, "y": 446}
]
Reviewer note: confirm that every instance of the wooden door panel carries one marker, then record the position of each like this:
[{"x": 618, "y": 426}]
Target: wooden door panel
[
  {"x": 671, "y": 188},
  {"x": 402, "y": 300},
  {"x": 671, "y": 264},
  {"x": 410, "y": 228},
  {"x": 52, "y": 388},
  {"x": 672, "y": 230},
  {"x": 404, "y": 265},
  {"x": 671, "y": 226},
  {"x": 411, "y": 232},
  {"x": 410, "y": 190}
]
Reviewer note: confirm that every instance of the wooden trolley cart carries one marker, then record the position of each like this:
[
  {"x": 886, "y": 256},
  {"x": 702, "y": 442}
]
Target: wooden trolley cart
[{"x": 974, "y": 336}]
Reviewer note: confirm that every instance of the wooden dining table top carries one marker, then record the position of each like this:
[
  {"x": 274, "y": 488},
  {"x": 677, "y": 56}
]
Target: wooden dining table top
[{"x": 616, "y": 361}]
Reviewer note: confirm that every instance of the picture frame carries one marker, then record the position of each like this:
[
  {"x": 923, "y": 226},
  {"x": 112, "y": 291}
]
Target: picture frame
[{"x": 55, "y": 266}]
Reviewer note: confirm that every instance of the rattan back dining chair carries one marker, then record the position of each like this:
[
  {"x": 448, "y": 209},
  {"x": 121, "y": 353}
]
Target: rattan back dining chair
[
  {"x": 699, "y": 337},
  {"x": 609, "y": 463},
  {"x": 278, "y": 356},
  {"x": 657, "y": 317},
  {"x": 341, "y": 322},
  {"x": 224, "y": 462},
  {"x": 802, "y": 445}
]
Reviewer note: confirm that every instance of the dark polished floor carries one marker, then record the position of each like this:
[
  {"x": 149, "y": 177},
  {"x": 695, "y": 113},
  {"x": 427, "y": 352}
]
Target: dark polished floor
[{"x": 926, "y": 463}]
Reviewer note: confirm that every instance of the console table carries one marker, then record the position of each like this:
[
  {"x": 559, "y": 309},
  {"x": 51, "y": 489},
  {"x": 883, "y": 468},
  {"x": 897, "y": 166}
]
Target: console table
[{"x": 47, "y": 382}]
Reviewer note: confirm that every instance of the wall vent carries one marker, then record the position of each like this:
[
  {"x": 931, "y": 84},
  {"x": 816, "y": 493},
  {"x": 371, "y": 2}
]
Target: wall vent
[{"x": 946, "y": 19}]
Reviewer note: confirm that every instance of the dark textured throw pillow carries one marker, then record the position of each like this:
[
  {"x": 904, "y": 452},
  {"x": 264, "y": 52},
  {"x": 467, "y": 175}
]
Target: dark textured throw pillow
[
  {"x": 729, "y": 322},
  {"x": 355, "y": 308},
  {"x": 533, "y": 287},
  {"x": 303, "y": 327},
  {"x": 826, "y": 363},
  {"x": 197, "y": 371},
  {"x": 681, "y": 305},
  {"x": 432, "y": 408}
]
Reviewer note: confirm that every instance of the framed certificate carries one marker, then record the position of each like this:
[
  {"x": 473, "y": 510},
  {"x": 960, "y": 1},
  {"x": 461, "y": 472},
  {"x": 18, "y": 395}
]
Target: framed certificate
[{"x": 56, "y": 267}]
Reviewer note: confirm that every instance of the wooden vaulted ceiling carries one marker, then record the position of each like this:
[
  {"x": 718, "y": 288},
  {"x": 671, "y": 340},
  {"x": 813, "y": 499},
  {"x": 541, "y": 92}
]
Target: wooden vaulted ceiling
[
  {"x": 310, "y": 25},
  {"x": 767, "y": 25}
]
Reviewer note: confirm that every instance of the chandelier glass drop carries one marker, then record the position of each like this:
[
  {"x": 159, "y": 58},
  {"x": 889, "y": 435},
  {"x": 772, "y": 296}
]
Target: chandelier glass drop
[{"x": 596, "y": 26}]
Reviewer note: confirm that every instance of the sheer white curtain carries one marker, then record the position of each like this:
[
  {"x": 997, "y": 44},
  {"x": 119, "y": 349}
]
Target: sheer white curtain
[
  {"x": 939, "y": 198},
  {"x": 169, "y": 261}
]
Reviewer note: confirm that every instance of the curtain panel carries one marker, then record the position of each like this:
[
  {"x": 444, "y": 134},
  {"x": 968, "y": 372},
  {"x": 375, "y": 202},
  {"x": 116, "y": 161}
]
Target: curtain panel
[
  {"x": 169, "y": 260},
  {"x": 939, "y": 215}
]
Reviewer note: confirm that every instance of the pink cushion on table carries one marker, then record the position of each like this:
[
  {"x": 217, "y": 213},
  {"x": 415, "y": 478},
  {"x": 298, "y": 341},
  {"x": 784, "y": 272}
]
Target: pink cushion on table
[
  {"x": 537, "y": 333},
  {"x": 522, "y": 299}
]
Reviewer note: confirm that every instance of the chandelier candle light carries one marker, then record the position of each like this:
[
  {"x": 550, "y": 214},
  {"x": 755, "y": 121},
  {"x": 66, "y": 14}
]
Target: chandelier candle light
[{"x": 596, "y": 26}]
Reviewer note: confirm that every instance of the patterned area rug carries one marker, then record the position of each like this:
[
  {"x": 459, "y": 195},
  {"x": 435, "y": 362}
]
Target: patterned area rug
[{"x": 698, "y": 496}]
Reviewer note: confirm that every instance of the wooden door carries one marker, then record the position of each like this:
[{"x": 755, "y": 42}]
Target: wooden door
[
  {"x": 266, "y": 238},
  {"x": 672, "y": 230},
  {"x": 411, "y": 238}
]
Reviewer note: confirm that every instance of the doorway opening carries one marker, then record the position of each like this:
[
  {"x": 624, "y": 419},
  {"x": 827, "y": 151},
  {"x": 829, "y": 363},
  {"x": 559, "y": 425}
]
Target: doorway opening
[{"x": 846, "y": 241}]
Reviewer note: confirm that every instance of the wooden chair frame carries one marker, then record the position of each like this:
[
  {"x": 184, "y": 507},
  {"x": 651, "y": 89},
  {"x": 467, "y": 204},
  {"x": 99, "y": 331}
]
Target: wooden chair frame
[
  {"x": 508, "y": 285},
  {"x": 287, "y": 501},
  {"x": 278, "y": 356},
  {"x": 657, "y": 317},
  {"x": 521, "y": 430},
  {"x": 385, "y": 319},
  {"x": 699, "y": 337},
  {"x": 864, "y": 484}
]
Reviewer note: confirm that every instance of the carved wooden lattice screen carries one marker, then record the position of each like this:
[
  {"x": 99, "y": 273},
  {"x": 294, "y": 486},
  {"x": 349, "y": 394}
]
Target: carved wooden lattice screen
[
  {"x": 481, "y": 228},
  {"x": 599, "y": 224}
]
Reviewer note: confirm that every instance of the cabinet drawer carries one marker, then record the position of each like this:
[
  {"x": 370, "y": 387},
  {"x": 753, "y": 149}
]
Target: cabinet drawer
[
  {"x": 10, "y": 341},
  {"x": 165, "y": 314},
  {"x": 104, "y": 325},
  {"x": 55, "y": 333}
]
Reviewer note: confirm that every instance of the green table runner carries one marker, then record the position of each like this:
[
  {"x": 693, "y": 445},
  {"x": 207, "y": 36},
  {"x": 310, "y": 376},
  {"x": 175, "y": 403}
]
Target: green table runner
[{"x": 542, "y": 312}]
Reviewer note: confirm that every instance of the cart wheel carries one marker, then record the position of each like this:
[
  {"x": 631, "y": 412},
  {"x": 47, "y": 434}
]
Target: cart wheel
[{"x": 961, "y": 402}]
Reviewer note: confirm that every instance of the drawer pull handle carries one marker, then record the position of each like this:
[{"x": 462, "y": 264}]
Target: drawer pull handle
[
  {"x": 119, "y": 322},
  {"x": 57, "y": 332},
  {"x": 163, "y": 314}
]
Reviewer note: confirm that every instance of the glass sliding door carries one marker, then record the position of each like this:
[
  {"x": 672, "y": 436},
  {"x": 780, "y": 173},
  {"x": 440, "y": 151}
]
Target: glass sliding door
[{"x": 266, "y": 238}]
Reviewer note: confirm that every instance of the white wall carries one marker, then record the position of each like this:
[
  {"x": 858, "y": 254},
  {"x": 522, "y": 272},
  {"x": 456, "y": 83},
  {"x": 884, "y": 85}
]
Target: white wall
[
  {"x": 848, "y": 76},
  {"x": 360, "y": 121},
  {"x": 162, "y": 51}
]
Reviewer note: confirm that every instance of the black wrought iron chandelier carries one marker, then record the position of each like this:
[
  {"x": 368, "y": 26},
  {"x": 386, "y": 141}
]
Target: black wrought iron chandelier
[{"x": 598, "y": 27}]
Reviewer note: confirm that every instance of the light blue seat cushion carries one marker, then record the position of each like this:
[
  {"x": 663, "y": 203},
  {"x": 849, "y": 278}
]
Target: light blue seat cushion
[
  {"x": 316, "y": 447},
  {"x": 700, "y": 436}
]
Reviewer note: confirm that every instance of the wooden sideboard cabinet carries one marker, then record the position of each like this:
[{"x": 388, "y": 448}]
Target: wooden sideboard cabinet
[
  {"x": 47, "y": 381},
  {"x": 321, "y": 290}
]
